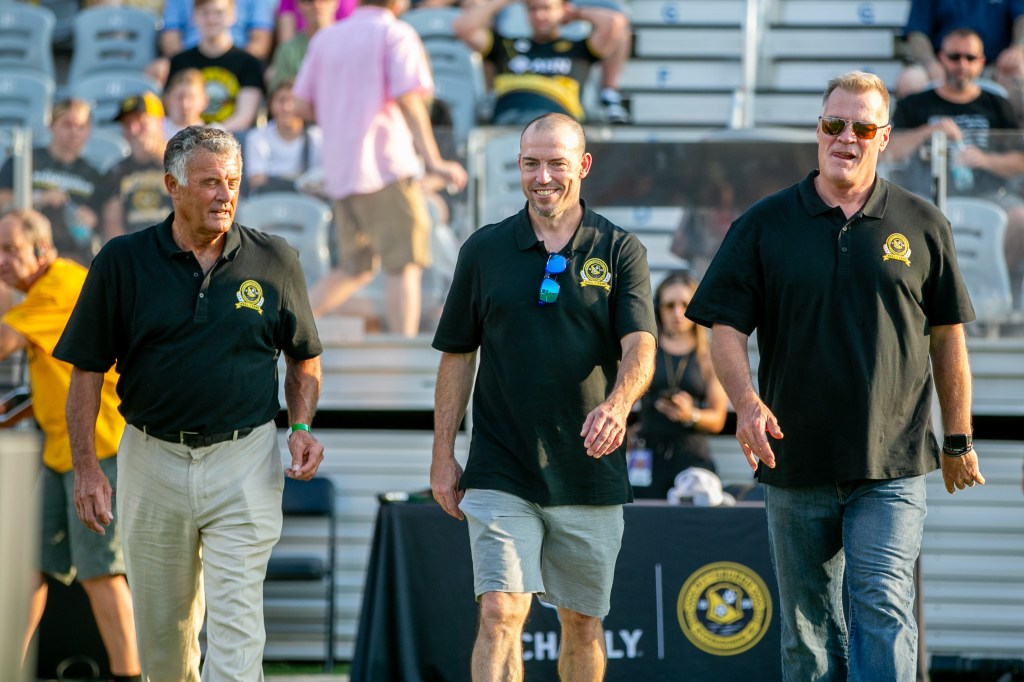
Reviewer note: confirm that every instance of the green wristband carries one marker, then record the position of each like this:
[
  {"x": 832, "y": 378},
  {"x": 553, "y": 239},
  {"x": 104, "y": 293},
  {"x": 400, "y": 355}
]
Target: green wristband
[{"x": 300, "y": 427}]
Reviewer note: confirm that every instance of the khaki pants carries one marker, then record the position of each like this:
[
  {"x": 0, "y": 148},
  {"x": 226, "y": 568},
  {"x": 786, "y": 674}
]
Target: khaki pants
[{"x": 194, "y": 518}]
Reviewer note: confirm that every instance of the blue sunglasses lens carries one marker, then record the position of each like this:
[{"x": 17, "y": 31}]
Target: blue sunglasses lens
[
  {"x": 556, "y": 264},
  {"x": 549, "y": 291}
]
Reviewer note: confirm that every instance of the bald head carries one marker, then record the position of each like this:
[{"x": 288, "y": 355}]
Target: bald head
[{"x": 559, "y": 125}]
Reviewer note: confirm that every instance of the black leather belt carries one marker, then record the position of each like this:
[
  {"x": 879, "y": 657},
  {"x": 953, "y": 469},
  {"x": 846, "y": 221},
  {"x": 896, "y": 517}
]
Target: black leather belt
[{"x": 199, "y": 440}]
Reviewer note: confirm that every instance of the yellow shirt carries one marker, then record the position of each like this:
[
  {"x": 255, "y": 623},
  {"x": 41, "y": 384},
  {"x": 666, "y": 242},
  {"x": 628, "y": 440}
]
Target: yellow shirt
[{"x": 41, "y": 318}]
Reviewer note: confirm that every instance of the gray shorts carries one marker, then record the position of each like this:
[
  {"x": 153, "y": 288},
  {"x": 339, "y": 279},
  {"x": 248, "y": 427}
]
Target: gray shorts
[
  {"x": 69, "y": 549},
  {"x": 564, "y": 554}
]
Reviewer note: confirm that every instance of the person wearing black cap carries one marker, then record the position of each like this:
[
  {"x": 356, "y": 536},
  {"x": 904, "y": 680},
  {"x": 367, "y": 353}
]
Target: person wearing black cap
[
  {"x": 195, "y": 313},
  {"x": 135, "y": 188}
]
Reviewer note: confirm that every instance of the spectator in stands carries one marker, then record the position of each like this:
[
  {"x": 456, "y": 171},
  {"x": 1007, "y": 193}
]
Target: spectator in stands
[
  {"x": 30, "y": 263},
  {"x": 559, "y": 372},
  {"x": 292, "y": 20},
  {"x": 288, "y": 56},
  {"x": 685, "y": 401},
  {"x": 546, "y": 72},
  {"x": 365, "y": 82},
  {"x": 234, "y": 78},
  {"x": 252, "y": 30},
  {"x": 185, "y": 101},
  {"x": 65, "y": 187},
  {"x": 968, "y": 115},
  {"x": 196, "y": 301},
  {"x": 286, "y": 148},
  {"x": 137, "y": 197},
  {"x": 853, "y": 276},
  {"x": 1000, "y": 25}
]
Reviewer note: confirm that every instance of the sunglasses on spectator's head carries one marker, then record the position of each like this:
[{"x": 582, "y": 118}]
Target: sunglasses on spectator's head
[
  {"x": 957, "y": 56},
  {"x": 834, "y": 126},
  {"x": 549, "y": 287}
]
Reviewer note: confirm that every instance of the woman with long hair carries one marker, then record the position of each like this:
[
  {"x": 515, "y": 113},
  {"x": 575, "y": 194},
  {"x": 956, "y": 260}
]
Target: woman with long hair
[{"x": 685, "y": 401}]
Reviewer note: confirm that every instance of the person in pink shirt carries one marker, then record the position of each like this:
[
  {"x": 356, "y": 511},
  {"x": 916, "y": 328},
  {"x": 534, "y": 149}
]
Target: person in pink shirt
[{"x": 366, "y": 81}]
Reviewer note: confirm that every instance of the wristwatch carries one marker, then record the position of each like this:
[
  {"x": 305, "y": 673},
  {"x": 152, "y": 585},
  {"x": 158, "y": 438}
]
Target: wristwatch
[{"x": 958, "y": 444}]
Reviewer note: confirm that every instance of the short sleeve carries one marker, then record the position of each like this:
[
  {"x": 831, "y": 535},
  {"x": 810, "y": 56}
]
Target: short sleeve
[
  {"x": 634, "y": 307},
  {"x": 298, "y": 337},
  {"x": 459, "y": 330},
  {"x": 408, "y": 70},
  {"x": 730, "y": 291}
]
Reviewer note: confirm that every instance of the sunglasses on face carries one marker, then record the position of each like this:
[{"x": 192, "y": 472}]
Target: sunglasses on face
[
  {"x": 957, "y": 56},
  {"x": 834, "y": 127},
  {"x": 549, "y": 288}
]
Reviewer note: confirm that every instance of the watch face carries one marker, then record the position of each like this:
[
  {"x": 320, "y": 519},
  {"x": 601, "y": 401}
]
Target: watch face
[{"x": 958, "y": 441}]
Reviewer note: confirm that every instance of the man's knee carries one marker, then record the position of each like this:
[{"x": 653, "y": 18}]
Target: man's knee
[
  {"x": 503, "y": 611},
  {"x": 580, "y": 627}
]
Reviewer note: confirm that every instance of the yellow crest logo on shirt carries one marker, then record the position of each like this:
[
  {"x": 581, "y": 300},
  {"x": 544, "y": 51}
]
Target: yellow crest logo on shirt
[
  {"x": 595, "y": 274},
  {"x": 250, "y": 295},
  {"x": 897, "y": 247}
]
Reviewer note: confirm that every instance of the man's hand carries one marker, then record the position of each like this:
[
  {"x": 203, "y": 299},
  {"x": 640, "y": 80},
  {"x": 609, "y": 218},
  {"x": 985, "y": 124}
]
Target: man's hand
[
  {"x": 754, "y": 423},
  {"x": 961, "y": 472},
  {"x": 604, "y": 429},
  {"x": 93, "y": 498},
  {"x": 307, "y": 454},
  {"x": 445, "y": 472}
]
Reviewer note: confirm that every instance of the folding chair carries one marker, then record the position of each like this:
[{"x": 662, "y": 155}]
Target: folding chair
[
  {"x": 26, "y": 39},
  {"x": 978, "y": 230},
  {"x": 313, "y": 498},
  {"x": 301, "y": 219},
  {"x": 110, "y": 38}
]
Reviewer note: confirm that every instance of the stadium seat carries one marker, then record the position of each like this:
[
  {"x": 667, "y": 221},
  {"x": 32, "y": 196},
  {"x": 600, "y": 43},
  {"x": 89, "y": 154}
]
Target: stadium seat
[
  {"x": 432, "y": 22},
  {"x": 300, "y": 219},
  {"x": 106, "y": 90},
  {"x": 313, "y": 498},
  {"x": 25, "y": 100},
  {"x": 109, "y": 38},
  {"x": 26, "y": 38},
  {"x": 978, "y": 230},
  {"x": 104, "y": 148},
  {"x": 459, "y": 83}
]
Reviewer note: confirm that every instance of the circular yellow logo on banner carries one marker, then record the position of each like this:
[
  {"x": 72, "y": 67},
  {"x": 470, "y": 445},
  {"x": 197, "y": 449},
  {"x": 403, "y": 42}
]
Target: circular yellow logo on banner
[{"x": 724, "y": 608}]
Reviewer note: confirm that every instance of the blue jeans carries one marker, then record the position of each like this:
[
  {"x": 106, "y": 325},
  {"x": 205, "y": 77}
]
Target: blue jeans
[{"x": 868, "y": 532}]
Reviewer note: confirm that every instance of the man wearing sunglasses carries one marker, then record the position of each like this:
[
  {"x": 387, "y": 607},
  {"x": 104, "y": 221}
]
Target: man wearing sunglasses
[
  {"x": 984, "y": 154},
  {"x": 852, "y": 285},
  {"x": 556, "y": 302}
]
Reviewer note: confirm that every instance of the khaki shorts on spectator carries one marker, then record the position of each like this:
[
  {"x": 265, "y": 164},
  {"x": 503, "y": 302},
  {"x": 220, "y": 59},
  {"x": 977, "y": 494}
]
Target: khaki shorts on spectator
[
  {"x": 69, "y": 549},
  {"x": 391, "y": 226},
  {"x": 564, "y": 554}
]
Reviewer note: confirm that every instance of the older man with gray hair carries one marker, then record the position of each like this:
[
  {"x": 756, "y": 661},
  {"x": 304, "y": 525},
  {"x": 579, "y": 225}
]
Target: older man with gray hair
[{"x": 194, "y": 312}]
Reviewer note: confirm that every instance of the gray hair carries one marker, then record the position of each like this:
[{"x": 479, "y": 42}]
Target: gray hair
[
  {"x": 34, "y": 225},
  {"x": 182, "y": 146},
  {"x": 859, "y": 82}
]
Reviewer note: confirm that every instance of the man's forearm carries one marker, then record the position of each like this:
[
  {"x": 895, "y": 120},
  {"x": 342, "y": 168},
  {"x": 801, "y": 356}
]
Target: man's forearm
[
  {"x": 732, "y": 364},
  {"x": 81, "y": 411},
  {"x": 636, "y": 369},
  {"x": 302, "y": 389},
  {"x": 455, "y": 375}
]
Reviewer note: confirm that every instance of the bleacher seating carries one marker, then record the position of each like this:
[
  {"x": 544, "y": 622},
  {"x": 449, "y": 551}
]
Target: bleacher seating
[
  {"x": 25, "y": 100},
  {"x": 110, "y": 38},
  {"x": 106, "y": 90},
  {"x": 979, "y": 227},
  {"x": 26, "y": 38},
  {"x": 302, "y": 220}
]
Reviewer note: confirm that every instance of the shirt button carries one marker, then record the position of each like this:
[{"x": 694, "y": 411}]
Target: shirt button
[
  {"x": 195, "y": 274},
  {"x": 846, "y": 228},
  {"x": 844, "y": 251},
  {"x": 202, "y": 295}
]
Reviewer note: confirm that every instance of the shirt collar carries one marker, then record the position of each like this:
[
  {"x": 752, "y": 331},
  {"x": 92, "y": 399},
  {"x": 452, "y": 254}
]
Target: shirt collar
[
  {"x": 526, "y": 238},
  {"x": 232, "y": 241},
  {"x": 874, "y": 207}
]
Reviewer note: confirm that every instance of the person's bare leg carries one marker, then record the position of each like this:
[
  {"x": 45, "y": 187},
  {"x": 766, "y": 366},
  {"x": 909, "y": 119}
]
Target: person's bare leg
[
  {"x": 582, "y": 657},
  {"x": 334, "y": 288},
  {"x": 402, "y": 300},
  {"x": 111, "y": 603},
  {"x": 498, "y": 651},
  {"x": 36, "y": 606},
  {"x": 614, "y": 64}
]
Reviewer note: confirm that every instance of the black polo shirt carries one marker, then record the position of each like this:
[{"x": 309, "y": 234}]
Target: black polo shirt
[
  {"x": 195, "y": 352},
  {"x": 842, "y": 310},
  {"x": 544, "y": 368}
]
